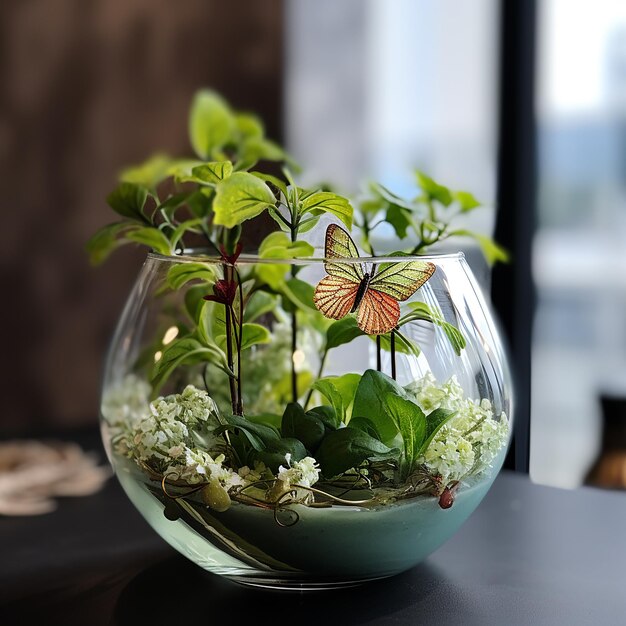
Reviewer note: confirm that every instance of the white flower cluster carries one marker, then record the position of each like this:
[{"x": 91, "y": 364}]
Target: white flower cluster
[
  {"x": 468, "y": 443},
  {"x": 304, "y": 473},
  {"x": 126, "y": 402}
]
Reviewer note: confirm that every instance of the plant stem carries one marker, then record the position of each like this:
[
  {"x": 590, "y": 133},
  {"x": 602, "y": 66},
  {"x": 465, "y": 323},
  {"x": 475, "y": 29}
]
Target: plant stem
[
  {"x": 239, "y": 391},
  {"x": 229, "y": 347},
  {"x": 378, "y": 354},
  {"x": 319, "y": 375},
  {"x": 393, "y": 354},
  {"x": 294, "y": 320}
]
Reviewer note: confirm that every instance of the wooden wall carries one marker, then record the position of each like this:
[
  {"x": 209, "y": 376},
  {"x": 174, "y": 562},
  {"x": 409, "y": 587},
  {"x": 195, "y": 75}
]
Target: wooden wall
[{"x": 88, "y": 86}]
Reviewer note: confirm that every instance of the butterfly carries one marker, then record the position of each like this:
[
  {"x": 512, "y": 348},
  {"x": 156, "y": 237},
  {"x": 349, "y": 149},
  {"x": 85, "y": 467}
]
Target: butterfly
[{"x": 373, "y": 294}]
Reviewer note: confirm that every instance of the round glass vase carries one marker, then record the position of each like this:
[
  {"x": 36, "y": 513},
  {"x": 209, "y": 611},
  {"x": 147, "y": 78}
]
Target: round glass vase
[{"x": 279, "y": 448}]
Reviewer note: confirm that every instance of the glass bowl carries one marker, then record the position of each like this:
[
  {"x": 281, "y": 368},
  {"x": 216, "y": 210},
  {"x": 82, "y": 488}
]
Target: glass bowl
[{"x": 278, "y": 433}]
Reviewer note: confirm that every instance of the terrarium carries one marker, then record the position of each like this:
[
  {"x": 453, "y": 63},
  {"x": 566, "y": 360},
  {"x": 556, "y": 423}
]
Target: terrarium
[{"x": 308, "y": 415}]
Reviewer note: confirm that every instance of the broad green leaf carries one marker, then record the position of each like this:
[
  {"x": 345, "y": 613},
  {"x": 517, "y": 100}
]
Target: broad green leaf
[
  {"x": 211, "y": 173},
  {"x": 211, "y": 123},
  {"x": 279, "y": 246},
  {"x": 492, "y": 251},
  {"x": 366, "y": 425},
  {"x": 410, "y": 421},
  {"x": 272, "y": 180},
  {"x": 258, "y": 304},
  {"x": 328, "y": 202},
  {"x": 339, "y": 391},
  {"x": 342, "y": 331},
  {"x": 389, "y": 198},
  {"x": 194, "y": 302},
  {"x": 240, "y": 197},
  {"x": 257, "y": 149},
  {"x": 149, "y": 173},
  {"x": 181, "y": 273},
  {"x": 249, "y": 125},
  {"x": 107, "y": 239},
  {"x": 307, "y": 224},
  {"x": 434, "y": 190},
  {"x": 403, "y": 344},
  {"x": 254, "y": 334},
  {"x": 466, "y": 201},
  {"x": 434, "y": 421},
  {"x": 326, "y": 414},
  {"x": 184, "y": 351},
  {"x": 129, "y": 199},
  {"x": 421, "y": 311},
  {"x": 151, "y": 237},
  {"x": 346, "y": 448},
  {"x": 181, "y": 169},
  {"x": 200, "y": 201},
  {"x": 275, "y": 453},
  {"x": 400, "y": 219},
  {"x": 368, "y": 402},
  {"x": 306, "y": 427},
  {"x": 299, "y": 293},
  {"x": 260, "y": 436},
  {"x": 266, "y": 419}
]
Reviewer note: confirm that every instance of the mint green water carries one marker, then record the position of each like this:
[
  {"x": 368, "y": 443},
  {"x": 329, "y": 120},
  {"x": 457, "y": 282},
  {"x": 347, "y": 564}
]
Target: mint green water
[{"x": 326, "y": 547}]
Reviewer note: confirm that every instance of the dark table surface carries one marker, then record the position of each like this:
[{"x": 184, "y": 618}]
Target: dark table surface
[{"x": 528, "y": 555}]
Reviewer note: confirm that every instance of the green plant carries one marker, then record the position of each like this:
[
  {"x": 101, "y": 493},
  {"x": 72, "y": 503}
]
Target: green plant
[{"x": 370, "y": 428}]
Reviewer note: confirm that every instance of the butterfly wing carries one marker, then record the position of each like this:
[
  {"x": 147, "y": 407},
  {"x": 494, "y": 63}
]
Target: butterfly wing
[
  {"x": 339, "y": 245},
  {"x": 402, "y": 279},
  {"x": 378, "y": 313},
  {"x": 334, "y": 296}
]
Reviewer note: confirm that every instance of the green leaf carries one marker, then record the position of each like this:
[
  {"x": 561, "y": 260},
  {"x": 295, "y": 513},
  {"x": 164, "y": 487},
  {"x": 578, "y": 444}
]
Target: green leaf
[
  {"x": 249, "y": 125},
  {"x": 434, "y": 421},
  {"x": 279, "y": 246},
  {"x": 194, "y": 302},
  {"x": 107, "y": 239},
  {"x": 400, "y": 219},
  {"x": 466, "y": 201},
  {"x": 260, "y": 436},
  {"x": 181, "y": 273},
  {"x": 366, "y": 425},
  {"x": 434, "y": 190},
  {"x": 306, "y": 427},
  {"x": 184, "y": 351},
  {"x": 421, "y": 311},
  {"x": 493, "y": 252},
  {"x": 129, "y": 200},
  {"x": 272, "y": 180},
  {"x": 404, "y": 345},
  {"x": 259, "y": 149},
  {"x": 151, "y": 237},
  {"x": 411, "y": 422},
  {"x": 342, "y": 331},
  {"x": 200, "y": 202},
  {"x": 254, "y": 334},
  {"x": 258, "y": 304},
  {"x": 149, "y": 173},
  {"x": 275, "y": 453},
  {"x": 299, "y": 293},
  {"x": 211, "y": 123},
  {"x": 368, "y": 402},
  {"x": 240, "y": 197},
  {"x": 211, "y": 173},
  {"x": 328, "y": 202},
  {"x": 346, "y": 448},
  {"x": 339, "y": 391},
  {"x": 326, "y": 414},
  {"x": 306, "y": 225}
]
